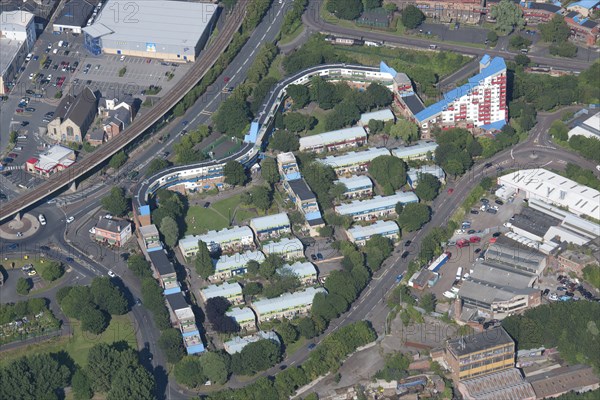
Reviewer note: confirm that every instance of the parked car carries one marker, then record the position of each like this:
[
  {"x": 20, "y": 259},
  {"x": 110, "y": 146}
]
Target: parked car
[
  {"x": 474, "y": 212},
  {"x": 484, "y": 201},
  {"x": 471, "y": 231},
  {"x": 313, "y": 257},
  {"x": 545, "y": 292},
  {"x": 487, "y": 165},
  {"x": 407, "y": 243},
  {"x": 111, "y": 273},
  {"x": 496, "y": 234},
  {"x": 499, "y": 202},
  {"x": 450, "y": 191},
  {"x": 42, "y": 219},
  {"x": 491, "y": 211},
  {"x": 207, "y": 204},
  {"x": 320, "y": 256},
  {"x": 404, "y": 255},
  {"x": 70, "y": 219}
]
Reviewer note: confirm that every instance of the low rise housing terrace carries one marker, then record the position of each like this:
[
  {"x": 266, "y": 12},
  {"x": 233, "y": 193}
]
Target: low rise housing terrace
[
  {"x": 305, "y": 271},
  {"x": 244, "y": 317},
  {"x": 288, "y": 305},
  {"x": 236, "y": 344},
  {"x": 384, "y": 115},
  {"x": 235, "y": 264},
  {"x": 422, "y": 150},
  {"x": 359, "y": 235},
  {"x": 164, "y": 271},
  {"x": 151, "y": 237},
  {"x": 334, "y": 140},
  {"x": 230, "y": 291},
  {"x": 227, "y": 240},
  {"x": 377, "y": 207},
  {"x": 413, "y": 175},
  {"x": 271, "y": 226},
  {"x": 354, "y": 161},
  {"x": 357, "y": 186},
  {"x": 288, "y": 249}
]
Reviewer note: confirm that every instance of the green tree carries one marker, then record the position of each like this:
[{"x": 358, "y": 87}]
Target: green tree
[
  {"x": 388, "y": 170},
  {"x": 288, "y": 332},
  {"x": 344, "y": 113},
  {"x": 262, "y": 197},
  {"x": 555, "y": 31},
  {"x": 132, "y": 382},
  {"x": 522, "y": 59},
  {"x": 486, "y": 183},
  {"x": 412, "y": 17},
  {"x": 232, "y": 117},
  {"x": 179, "y": 109},
  {"x": 297, "y": 122},
  {"x": 375, "y": 126},
  {"x": 492, "y": 38},
  {"x": 567, "y": 49},
  {"x": 269, "y": 265},
  {"x": 428, "y": 187},
  {"x": 118, "y": 160},
  {"x": 377, "y": 249},
  {"x": 345, "y": 9},
  {"x": 306, "y": 328},
  {"x": 299, "y": 94},
  {"x": 107, "y": 296},
  {"x": 24, "y": 286},
  {"x": 414, "y": 216},
  {"x": 256, "y": 357},
  {"x": 80, "y": 384},
  {"x": 52, "y": 271},
  {"x": 188, "y": 372},
  {"x": 139, "y": 266},
  {"x": 252, "y": 289},
  {"x": 591, "y": 273},
  {"x": 559, "y": 130},
  {"x": 508, "y": 16},
  {"x": 170, "y": 231},
  {"x": 284, "y": 141},
  {"x": 203, "y": 262},
  {"x": 406, "y": 130},
  {"x": 93, "y": 320},
  {"x": 171, "y": 343},
  {"x": 370, "y": 4},
  {"x": 39, "y": 376},
  {"x": 269, "y": 171},
  {"x": 116, "y": 203},
  {"x": 216, "y": 366},
  {"x": 428, "y": 302},
  {"x": 253, "y": 267},
  {"x": 157, "y": 164},
  {"x": 235, "y": 173},
  {"x": 518, "y": 42}
]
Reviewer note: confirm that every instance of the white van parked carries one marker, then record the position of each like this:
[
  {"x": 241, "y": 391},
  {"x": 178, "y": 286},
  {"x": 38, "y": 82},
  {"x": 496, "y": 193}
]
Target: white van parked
[
  {"x": 42, "y": 219},
  {"x": 60, "y": 43}
]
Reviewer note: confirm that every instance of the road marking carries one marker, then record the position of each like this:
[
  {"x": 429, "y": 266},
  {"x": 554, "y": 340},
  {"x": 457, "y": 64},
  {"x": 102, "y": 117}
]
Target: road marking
[{"x": 205, "y": 112}]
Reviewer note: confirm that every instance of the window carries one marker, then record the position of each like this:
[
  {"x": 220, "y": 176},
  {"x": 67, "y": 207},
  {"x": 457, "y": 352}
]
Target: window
[{"x": 70, "y": 131}]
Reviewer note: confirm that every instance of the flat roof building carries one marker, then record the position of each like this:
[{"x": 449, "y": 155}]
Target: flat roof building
[
  {"x": 288, "y": 166},
  {"x": 506, "y": 384},
  {"x": 244, "y": 317},
  {"x": 419, "y": 151},
  {"x": 305, "y": 271},
  {"x": 235, "y": 264},
  {"x": 589, "y": 128},
  {"x": 289, "y": 249},
  {"x": 164, "y": 271},
  {"x": 376, "y": 207},
  {"x": 74, "y": 16},
  {"x": 354, "y": 161},
  {"x": 572, "y": 378},
  {"x": 168, "y": 30},
  {"x": 226, "y": 240},
  {"x": 357, "y": 186},
  {"x": 230, "y": 291},
  {"x": 179, "y": 309},
  {"x": 480, "y": 354},
  {"x": 518, "y": 256},
  {"x": 236, "y": 344},
  {"x": 151, "y": 237},
  {"x": 55, "y": 159},
  {"x": 17, "y": 37},
  {"x": 287, "y": 305},
  {"x": 359, "y": 235},
  {"x": 334, "y": 140},
  {"x": 384, "y": 115},
  {"x": 554, "y": 189},
  {"x": 271, "y": 226},
  {"x": 412, "y": 175}
]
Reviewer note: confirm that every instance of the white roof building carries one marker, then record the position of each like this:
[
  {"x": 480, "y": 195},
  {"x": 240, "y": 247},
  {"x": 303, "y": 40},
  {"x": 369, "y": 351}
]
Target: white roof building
[
  {"x": 284, "y": 246},
  {"x": 329, "y": 138},
  {"x": 226, "y": 290},
  {"x": 356, "y": 182},
  {"x": 285, "y": 302},
  {"x": 270, "y": 223},
  {"x": 216, "y": 239},
  {"x": 55, "y": 158},
  {"x": 554, "y": 189},
  {"x": 236, "y": 344},
  {"x": 241, "y": 315},
  {"x": 382, "y": 115},
  {"x": 435, "y": 170},
  {"x": 416, "y": 151},
  {"x": 363, "y": 233},
  {"x": 237, "y": 261},
  {"x": 377, "y": 203},
  {"x": 301, "y": 269},
  {"x": 590, "y": 128},
  {"x": 354, "y": 158}
]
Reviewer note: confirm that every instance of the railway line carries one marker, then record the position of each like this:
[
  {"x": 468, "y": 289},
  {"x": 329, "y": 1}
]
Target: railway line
[{"x": 139, "y": 126}]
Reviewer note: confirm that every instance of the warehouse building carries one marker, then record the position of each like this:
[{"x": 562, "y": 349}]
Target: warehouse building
[
  {"x": 305, "y": 271},
  {"x": 354, "y": 162},
  {"x": 244, "y": 317},
  {"x": 423, "y": 150},
  {"x": 235, "y": 264},
  {"x": 554, "y": 189},
  {"x": 334, "y": 140},
  {"x": 230, "y": 291},
  {"x": 167, "y": 30},
  {"x": 357, "y": 186},
  {"x": 288, "y": 249},
  {"x": 516, "y": 256},
  {"x": 505, "y": 384},
  {"x": 413, "y": 175},
  {"x": 589, "y": 128},
  {"x": 360, "y": 234},
  {"x": 236, "y": 344},
  {"x": 377, "y": 207},
  {"x": 17, "y": 37},
  {"x": 271, "y": 226},
  {"x": 228, "y": 240},
  {"x": 577, "y": 378},
  {"x": 288, "y": 305},
  {"x": 479, "y": 354}
]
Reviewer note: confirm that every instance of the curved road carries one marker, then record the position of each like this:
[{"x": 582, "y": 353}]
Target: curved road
[{"x": 312, "y": 18}]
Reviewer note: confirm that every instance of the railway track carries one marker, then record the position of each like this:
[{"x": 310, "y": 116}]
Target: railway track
[{"x": 139, "y": 126}]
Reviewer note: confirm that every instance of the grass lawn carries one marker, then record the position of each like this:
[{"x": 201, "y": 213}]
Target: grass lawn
[
  {"x": 320, "y": 115},
  {"x": 275, "y": 68},
  {"x": 292, "y": 35},
  {"x": 78, "y": 346},
  {"x": 223, "y": 206},
  {"x": 200, "y": 220},
  {"x": 292, "y": 348}
]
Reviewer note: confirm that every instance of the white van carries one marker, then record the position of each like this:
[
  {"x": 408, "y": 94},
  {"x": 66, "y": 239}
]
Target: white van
[
  {"x": 42, "y": 219},
  {"x": 28, "y": 58},
  {"x": 60, "y": 43},
  {"x": 54, "y": 51}
]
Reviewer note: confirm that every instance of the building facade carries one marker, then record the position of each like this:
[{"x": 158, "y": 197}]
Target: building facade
[
  {"x": 422, "y": 150},
  {"x": 271, "y": 226},
  {"x": 17, "y": 37},
  {"x": 288, "y": 305},
  {"x": 357, "y": 186},
  {"x": 115, "y": 232},
  {"x": 359, "y": 235},
  {"x": 335, "y": 140},
  {"x": 236, "y": 264},
  {"x": 354, "y": 162},
  {"x": 228, "y": 240},
  {"x": 571, "y": 261},
  {"x": 377, "y": 207},
  {"x": 288, "y": 249},
  {"x": 305, "y": 271},
  {"x": 73, "y": 117},
  {"x": 244, "y": 317},
  {"x": 230, "y": 291}
]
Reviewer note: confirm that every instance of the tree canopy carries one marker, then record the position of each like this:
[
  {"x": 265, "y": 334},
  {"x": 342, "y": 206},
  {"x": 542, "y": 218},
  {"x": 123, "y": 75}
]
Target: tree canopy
[
  {"x": 235, "y": 173},
  {"x": 232, "y": 117},
  {"x": 414, "y": 216},
  {"x": 345, "y": 9},
  {"x": 116, "y": 203},
  {"x": 377, "y": 249},
  {"x": 508, "y": 15},
  {"x": 171, "y": 343},
  {"x": 412, "y": 17},
  {"x": 269, "y": 171},
  {"x": 428, "y": 187},
  {"x": 284, "y": 141},
  {"x": 203, "y": 262},
  {"x": 555, "y": 31},
  {"x": 170, "y": 231},
  {"x": 256, "y": 357},
  {"x": 389, "y": 172}
]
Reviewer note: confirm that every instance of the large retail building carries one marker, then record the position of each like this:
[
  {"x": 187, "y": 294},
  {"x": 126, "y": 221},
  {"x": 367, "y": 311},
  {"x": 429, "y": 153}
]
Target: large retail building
[{"x": 166, "y": 30}]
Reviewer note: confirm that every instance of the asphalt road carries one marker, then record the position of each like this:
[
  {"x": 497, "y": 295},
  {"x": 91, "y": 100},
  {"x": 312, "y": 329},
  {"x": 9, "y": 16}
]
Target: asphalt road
[{"x": 313, "y": 19}]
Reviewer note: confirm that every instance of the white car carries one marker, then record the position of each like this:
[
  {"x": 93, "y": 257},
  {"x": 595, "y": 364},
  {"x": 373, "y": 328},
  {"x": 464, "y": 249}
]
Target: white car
[
  {"x": 553, "y": 297},
  {"x": 70, "y": 219},
  {"x": 93, "y": 230},
  {"x": 111, "y": 273},
  {"x": 598, "y": 167},
  {"x": 42, "y": 219},
  {"x": 108, "y": 216}
]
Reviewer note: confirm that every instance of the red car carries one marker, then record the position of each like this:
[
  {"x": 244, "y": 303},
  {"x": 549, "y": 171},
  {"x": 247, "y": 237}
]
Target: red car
[
  {"x": 13, "y": 155},
  {"x": 19, "y": 110},
  {"x": 474, "y": 239},
  {"x": 450, "y": 191}
]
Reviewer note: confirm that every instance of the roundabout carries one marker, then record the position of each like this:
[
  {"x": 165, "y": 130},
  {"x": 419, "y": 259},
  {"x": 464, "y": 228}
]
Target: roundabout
[{"x": 23, "y": 228}]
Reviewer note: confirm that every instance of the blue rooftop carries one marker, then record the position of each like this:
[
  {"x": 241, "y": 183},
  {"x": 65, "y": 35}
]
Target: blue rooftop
[
  {"x": 496, "y": 65},
  {"x": 313, "y": 215},
  {"x": 252, "y": 135},
  {"x": 589, "y": 4},
  {"x": 293, "y": 176},
  {"x": 383, "y": 67},
  {"x": 494, "y": 126},
  {"x": 172, "y": 290},
  {"x": 144, "y": 210}
]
